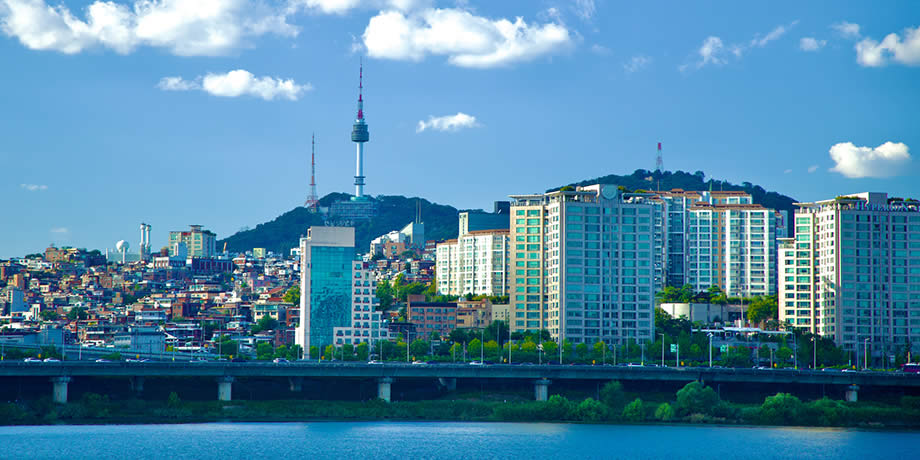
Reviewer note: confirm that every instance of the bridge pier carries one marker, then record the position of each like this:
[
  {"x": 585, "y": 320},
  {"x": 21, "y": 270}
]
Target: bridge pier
[
  {"x": 296, "y": 384},
  {"x": 137, "y": 385},
  {"x": 541, "y": 389},
  {"x": 224, "y": 388},
  {"x": 449, "y": 383},
  {"x": 851, "y": 393},
  {"x": 59, "y": 393},
  {"x": 383, "y": 388}
]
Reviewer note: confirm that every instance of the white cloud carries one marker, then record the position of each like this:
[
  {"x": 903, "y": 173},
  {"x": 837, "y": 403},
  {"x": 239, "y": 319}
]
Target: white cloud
[
  {"x": 812, "y": 169},
  {"x": 870, "y": 53},
  {"x": 811, "y": 44},
  {"x": 467, "y": 40},
  {"x": 448, "y": 123},
  {"x": 60, "y": 230},
  {"x": 344, "y": 6},
  {"x": 637, "y": 63},
  {"x": 846, "y": 29},
  {"x": 886, "y": 160},
  {"x": 177, "y": 84},
  {"x": 711, "y": 51},
  {"x": 585, "y": 9},
  {"x": 774, "y": 34},
  {"x": 788, "y": 171},
  {"x": 238, "y": 83},
  {"x": 184, "y": 27},
  {"x": 34, "y": 187},
  {"x": 715, "y": 51},
  {"x": 601, "y": 50}
]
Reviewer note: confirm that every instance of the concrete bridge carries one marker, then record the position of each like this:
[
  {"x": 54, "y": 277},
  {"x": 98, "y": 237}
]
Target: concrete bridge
[{"x": 224, "y": 373}]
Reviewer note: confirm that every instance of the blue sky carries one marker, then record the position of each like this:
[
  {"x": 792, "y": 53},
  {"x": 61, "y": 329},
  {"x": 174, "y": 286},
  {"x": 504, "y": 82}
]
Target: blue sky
[{"x": 177, "y": 112}]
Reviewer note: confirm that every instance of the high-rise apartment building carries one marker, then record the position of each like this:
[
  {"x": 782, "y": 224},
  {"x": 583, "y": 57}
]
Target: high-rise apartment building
[
  {"x": 713, "y": 238},
  {"x": 200, "y": 243},
  {"x": 852, "y": 272},
  {"x": 327, "y": 257},
  {"x": 582, "y": 264},
  {"x": 366, "y": 323},
  {"x": 475, "y": 263}
]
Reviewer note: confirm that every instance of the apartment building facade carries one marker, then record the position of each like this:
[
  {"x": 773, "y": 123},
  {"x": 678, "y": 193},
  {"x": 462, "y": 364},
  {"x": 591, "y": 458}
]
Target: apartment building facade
[
  {"x": 582, "y": 264},
  {"x": 852, "y": 272}
]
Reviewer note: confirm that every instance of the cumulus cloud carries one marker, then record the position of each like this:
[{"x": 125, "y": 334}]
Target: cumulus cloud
[
  {"x": 34, "y": 187},
  {"x": 60, "y": 230},
  {"x": 846, "y": 29},
  {"x": 238, "y": 83},
  {"x": 906, "y": 50},
  {"x": 788, "y": 171},
  {"x": 447, "y": 123},
  {"x": 812, "y": 168},
  {"x": 811, "y": 44},
  {"x": 467, "y": 40},
  {"x": 886, "y": 160},
  {"x": 184, "y": 27},
  {"x": 637, "y": 63}
]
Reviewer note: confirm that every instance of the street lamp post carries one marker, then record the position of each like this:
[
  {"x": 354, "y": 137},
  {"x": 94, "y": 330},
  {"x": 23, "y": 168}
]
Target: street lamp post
[
  {"x": 710, "y": 348},
  {"x": 662, "y": 349},
  {"x": 481, "y": 346},
  {"x": 814, "y": 348},
  {"x": 540, "y": 354}
]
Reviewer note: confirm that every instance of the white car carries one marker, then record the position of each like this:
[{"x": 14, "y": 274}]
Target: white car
[
  {"x": 52, "y": 360},
  {"x": 476, "y": 363},
  {"x": 31, "y": 360},
  {"x": 281, "y": 361},
  {"x": 374, "y": 361}
]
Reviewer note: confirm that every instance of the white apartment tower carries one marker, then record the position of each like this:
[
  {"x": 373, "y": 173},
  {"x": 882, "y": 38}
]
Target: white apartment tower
[
  {"x": 852, "y": 272},
  {"x": 475, "y": 263},
  {"x": 582, "y": 264}
]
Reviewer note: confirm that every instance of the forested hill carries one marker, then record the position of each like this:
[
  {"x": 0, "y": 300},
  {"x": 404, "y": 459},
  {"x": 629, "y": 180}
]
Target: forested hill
[
  {"x": 284, "y": 232},
  {"x": 668, "y": 180}
]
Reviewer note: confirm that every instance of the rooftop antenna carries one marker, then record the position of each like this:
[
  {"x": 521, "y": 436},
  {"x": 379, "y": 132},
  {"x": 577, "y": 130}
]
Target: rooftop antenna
[{"x": 312, "y": 199}]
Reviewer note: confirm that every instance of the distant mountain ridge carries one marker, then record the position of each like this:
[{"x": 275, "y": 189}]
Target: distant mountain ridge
[{"x": 284, "y": 232}]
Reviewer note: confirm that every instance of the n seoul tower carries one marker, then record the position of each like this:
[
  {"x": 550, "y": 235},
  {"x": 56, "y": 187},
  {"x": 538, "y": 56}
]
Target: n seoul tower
[{"x": 359, "y": 135}]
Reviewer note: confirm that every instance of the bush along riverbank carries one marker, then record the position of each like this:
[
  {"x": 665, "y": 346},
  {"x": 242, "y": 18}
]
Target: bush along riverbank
[{"x": 694, "y": 403}]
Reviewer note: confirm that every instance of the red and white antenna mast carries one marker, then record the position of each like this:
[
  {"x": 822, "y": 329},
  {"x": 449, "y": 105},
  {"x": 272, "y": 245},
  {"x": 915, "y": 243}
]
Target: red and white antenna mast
[
  {"x": 659, "y": 161},
  {"x": 312, "y": 200}
]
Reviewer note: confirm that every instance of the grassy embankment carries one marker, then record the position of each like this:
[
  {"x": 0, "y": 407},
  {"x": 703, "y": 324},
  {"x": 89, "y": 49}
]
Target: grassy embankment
[{"x": 693, "y": 404}]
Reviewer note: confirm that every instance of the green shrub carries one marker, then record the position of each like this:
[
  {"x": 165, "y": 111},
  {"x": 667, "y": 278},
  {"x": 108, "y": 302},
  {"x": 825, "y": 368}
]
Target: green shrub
[
  {"x": 782, "y": 409},
  {"x": 910, "y": 402},
  {"x": 613, "y": 396},
  {"x": 827, "y": 412},
  {"x": 173, "y": 400},
  {"x": 634, "y": 411},
  {"x": 694, "y": 398},
  {"x": 591, "y": 410},
  {"x": 558, "y": 408},
  {"x": 664, "y": 412}
]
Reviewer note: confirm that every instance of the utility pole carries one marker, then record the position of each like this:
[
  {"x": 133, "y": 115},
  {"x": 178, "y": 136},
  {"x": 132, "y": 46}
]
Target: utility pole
[{"x": 710, "y": 349}]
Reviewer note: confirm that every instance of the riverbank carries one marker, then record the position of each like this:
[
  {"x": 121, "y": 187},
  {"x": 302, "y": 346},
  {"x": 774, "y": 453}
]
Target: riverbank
[{"x": 694, "y": 404}]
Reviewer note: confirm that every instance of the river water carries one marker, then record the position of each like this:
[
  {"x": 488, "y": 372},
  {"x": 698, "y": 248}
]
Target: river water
[{"x": 448, "y": 440}]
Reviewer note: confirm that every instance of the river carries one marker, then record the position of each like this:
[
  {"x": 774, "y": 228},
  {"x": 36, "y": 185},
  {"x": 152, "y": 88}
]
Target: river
[{"x": 448, "y": 440}]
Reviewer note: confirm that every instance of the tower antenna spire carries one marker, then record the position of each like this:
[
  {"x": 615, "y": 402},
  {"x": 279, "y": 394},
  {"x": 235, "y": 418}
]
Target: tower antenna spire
[
  {"x": 659, "y": 161},
  {"x": 312, "y": 199}
]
